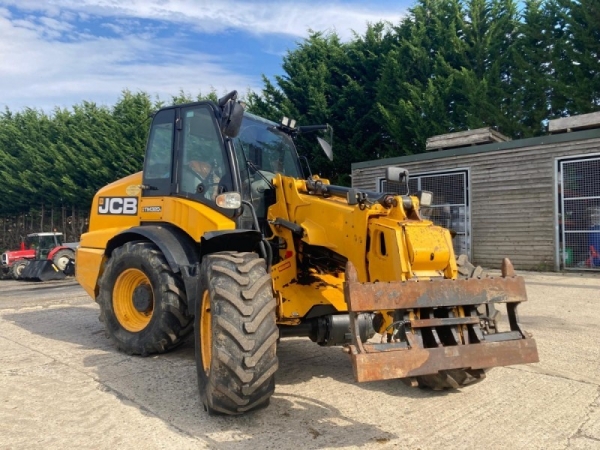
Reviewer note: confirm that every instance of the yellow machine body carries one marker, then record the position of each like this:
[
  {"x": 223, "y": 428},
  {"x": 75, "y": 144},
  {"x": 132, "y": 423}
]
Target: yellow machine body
[
  {"x": 191, "y": 217},
  {"x": 402, "y": 247},
  {"x": 338, "y": 266}
]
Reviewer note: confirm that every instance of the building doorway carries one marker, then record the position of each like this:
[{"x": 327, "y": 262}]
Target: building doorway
[{"x": 579, "y": 213}]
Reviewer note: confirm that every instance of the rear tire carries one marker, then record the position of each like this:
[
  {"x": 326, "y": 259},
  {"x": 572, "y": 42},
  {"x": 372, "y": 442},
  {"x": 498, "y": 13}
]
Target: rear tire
[
  {"x": 17, "y": 268},
  {"x": 142, "y": 302},
  {"x": 62, "y": 257},
  {"x": 235, "y": 333},
  {"x": 456, "y": 378}
]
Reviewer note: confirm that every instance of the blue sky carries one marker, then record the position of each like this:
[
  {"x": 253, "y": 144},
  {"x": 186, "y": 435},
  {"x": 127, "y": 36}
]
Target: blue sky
[{"x": 62, "y": 52}]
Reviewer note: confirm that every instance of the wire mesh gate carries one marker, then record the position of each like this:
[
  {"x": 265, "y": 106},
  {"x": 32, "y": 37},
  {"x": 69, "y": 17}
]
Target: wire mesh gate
[
  {"x": 450, "y": 208},
  {"x": 579, "y": 214}
]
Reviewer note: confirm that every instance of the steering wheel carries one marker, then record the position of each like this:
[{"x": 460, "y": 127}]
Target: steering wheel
[{"x": 203, "y": 171}]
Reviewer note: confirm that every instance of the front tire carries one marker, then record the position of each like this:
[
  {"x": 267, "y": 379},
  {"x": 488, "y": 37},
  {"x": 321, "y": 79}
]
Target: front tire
[
  {"x": 142, "y": 302},
  {"x": 457, "y": 378},
  {"x": 235, "y": 333},
  {"x": 17, "y": 268}
]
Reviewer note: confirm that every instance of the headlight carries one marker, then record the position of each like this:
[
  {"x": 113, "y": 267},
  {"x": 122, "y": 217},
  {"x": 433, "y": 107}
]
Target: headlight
[
  {"x": 425, "y": 198},
  {"x": 229, "y": 200}
]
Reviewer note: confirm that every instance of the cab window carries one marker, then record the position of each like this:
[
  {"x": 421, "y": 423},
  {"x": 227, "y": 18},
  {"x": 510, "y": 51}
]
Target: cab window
[
  {"x": 203, "y": 171},
  {"x": 159, "y": 154}
]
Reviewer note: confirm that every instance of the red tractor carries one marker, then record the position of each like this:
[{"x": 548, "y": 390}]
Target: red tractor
[{"x": 47, "y": 247}]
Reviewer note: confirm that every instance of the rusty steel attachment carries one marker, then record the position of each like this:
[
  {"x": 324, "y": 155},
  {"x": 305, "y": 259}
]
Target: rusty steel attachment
[{"x": 438, "y": 325}]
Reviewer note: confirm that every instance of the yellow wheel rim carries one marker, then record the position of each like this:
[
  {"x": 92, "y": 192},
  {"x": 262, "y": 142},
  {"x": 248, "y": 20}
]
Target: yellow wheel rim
[
  {"x": 125, "y": 311},
  {"x": 206, "y": 332}
]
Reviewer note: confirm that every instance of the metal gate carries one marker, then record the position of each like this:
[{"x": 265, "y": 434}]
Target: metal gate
[
  {"x": 579, "y": 213},
  {"x": 450, "y": 208}
]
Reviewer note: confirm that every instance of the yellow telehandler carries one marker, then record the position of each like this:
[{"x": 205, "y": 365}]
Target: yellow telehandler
[{"x": 222, "y": 236}]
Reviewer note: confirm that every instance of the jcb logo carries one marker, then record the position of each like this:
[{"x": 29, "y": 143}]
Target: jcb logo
[{"x": 118, "y": 205}]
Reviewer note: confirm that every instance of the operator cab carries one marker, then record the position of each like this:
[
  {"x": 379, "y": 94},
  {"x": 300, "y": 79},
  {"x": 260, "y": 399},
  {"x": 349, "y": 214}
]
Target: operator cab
[
  {"x": 42, "y": 243},
  {"x": 188, "y": 155}
]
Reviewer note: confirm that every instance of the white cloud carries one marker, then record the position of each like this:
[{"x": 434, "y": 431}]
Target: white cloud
[
  {"x": 53, "y": 56},
  {"x": 292, "y": 18},
  {"x": 42, "y": 73}
]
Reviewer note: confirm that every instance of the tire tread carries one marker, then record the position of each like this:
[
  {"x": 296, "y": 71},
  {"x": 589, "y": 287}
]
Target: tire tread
[
  {"x": 244, "y": 361},
  {"x": 171, "y": 322}
]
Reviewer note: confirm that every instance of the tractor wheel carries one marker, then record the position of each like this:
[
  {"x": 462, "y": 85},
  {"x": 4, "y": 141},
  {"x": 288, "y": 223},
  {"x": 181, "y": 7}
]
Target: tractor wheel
[
  {"x": 235, "y": 333},
  {"x": 457, "y": 378},
  {"x": 17, "y": 268},
  {"x": 142, "y": 302},
  {"x": 62, "y": 257}
]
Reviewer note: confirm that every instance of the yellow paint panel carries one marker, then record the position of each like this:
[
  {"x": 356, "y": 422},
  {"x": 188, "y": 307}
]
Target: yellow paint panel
[
  {"x": 98, "y": 239},
  {"x": 387, "y": 254},
  {"x": 118, "y": 191},
  {"x": 428, "y": 248},
  {"x": 87, "y": 269},
  {"x": 194, "y": 218},
  {"x": 328, "y": 222},
  {"x": 298, "y": 299},
  {"x": 284, "y": 272},
  {"x": 119, "y": 207}
]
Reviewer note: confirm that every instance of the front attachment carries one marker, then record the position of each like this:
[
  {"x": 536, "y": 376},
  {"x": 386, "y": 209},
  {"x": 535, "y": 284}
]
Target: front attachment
[
  {"x": 41, "y": 270},
  {"x": 437, "y": 326}
]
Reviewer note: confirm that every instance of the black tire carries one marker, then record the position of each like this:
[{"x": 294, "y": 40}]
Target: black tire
[
  {"x": 161, "y": 320},
  {"x": 467, "y": 270},
  {"x": 235, "y": 333},
  {"x": 17, "y": 268},
  {"x": 451, "y": 379},
  {"x": 456, "y": 378},
  {"x": 62, "y": 257}
]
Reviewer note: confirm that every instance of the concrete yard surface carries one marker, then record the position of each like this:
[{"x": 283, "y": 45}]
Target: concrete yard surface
[{"x": 64, "y": 385}]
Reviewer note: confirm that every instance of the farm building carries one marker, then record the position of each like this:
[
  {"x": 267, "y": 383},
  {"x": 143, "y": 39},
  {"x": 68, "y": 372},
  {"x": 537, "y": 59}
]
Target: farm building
[{"x": 536, "y": 201}]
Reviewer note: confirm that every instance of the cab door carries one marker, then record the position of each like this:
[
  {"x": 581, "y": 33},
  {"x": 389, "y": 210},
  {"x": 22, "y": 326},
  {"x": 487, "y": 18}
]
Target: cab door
[
  {"x": 203, "y": 166},
  {"x": 158, "y": 164}
]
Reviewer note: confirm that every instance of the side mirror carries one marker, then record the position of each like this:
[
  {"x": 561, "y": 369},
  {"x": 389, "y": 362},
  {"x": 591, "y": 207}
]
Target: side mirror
[
  {"x": 397, "y": 175},
  {"x": 326, "y": 148},
  {"x": 232, "y": 114},
  {"x": 327, "y": 142}
]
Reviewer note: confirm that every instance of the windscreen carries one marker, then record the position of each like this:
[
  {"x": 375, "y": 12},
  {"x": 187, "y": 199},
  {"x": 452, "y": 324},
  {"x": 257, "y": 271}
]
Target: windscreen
[
  {"x": 265, "y": 148},
  {"x": 262, "y": 152}
]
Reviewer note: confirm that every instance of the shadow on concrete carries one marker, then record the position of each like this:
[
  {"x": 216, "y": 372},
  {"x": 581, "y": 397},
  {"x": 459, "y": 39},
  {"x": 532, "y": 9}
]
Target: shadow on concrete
[{"x": 165, "y": 386}]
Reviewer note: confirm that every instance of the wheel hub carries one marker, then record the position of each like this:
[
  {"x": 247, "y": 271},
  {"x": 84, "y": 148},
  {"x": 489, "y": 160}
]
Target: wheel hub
[{"x": 142, "y": 298}]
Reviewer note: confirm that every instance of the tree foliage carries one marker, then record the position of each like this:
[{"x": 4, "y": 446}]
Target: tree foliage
[
  {"x": 51, "y": 165},
  {"x": 449, "y": 65}
]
